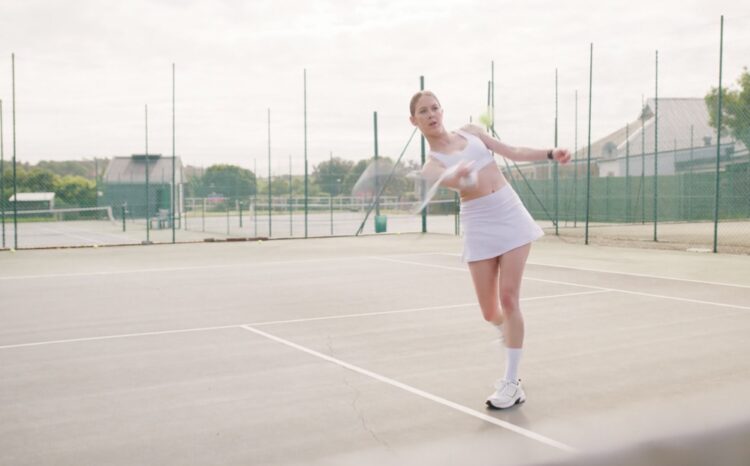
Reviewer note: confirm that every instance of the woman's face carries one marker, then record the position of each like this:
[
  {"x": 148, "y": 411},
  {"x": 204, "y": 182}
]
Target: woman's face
[{"x": 428, "y": 115}]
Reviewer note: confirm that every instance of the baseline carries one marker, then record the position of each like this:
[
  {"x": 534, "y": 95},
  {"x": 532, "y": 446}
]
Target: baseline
[
  {"x": 274, "y": 322},
  {"x": 197, "y": 267}
]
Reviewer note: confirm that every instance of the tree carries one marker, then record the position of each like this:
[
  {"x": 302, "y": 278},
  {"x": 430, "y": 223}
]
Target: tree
[
  {"x": 735, "y": 109},
  {"x": 75, "y": 191},
  {"x": 329, "y": 175},
  {"x": 83, "y": 168},
  {"x": 70, "y": 191},
  {"x": 36, "y": 181},
  {"x": 227, "y": 180},
  {"x": 280, "y": 187}
]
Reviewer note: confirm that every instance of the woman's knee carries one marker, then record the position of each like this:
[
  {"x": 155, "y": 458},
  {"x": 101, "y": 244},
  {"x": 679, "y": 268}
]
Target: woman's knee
[
  {"x": 490, "y": 312},
  {"x": 509, "y": 301}
]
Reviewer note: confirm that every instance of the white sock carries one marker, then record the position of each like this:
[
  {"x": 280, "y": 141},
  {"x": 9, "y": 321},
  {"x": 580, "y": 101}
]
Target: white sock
[{"x": 512, "y": 360}]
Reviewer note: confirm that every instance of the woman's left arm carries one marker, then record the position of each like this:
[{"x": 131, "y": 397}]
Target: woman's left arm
[{"x": 518, "y": 154}]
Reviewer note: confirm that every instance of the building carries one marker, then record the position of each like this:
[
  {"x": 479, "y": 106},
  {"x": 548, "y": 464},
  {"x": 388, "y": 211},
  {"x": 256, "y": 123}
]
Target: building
[
  {"x": 33, "y": 201},
  {"x": 124, "y": 184},
  {"x": 686, "y": 142}
]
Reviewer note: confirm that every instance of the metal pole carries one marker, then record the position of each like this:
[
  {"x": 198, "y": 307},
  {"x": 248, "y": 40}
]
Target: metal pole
[
  {"x": 291, "y": 198},
  {"x": 330, "y": 204},
  {"x": 491, "y": 130},
  {"x": 555, "y": 168},
  {"x": 15, "y": 186},
  {"x": 656, "y": 149},
  {"x": 627, "y": 172},
  {"x": 588, "y": 151},
  {"x": 174, "y": 164},
  {"x": 690, "y": 175},
  {"x": 255, "y": 198},
  {"x": 718, "y": 140},
  {"x": 96, "y": 179},
  {"x": 492, "y": 92},
  {"x": 269, "y": 173},
  {"x": 148, "y": 204},
  {"x": 642, "y": 187},
  {"x": 575, "y": 167},
  {"x": 422, "y": 161},
  {"x": 304, "y": 78},
  {"x": 2, "y": 173},
  {"x": 377, "y": 188}
]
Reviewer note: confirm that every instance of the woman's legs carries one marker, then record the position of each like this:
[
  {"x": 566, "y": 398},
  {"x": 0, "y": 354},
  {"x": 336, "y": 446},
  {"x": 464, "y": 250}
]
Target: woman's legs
[
  {"x": 485, "y": 275},
  {"x": 512, "y": 264},
  {"x": 497, "y": 283},
  {"x": 498, "y": 287}
]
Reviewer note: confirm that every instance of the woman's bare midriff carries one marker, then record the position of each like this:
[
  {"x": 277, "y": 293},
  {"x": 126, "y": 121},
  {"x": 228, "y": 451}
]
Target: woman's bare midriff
[{"x": 489, "y": 180}]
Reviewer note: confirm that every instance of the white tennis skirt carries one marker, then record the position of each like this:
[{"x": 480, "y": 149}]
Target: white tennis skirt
[{"x": 495, "y": 224}]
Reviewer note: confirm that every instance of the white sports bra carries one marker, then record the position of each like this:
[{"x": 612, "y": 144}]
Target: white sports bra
[{"x": 475, "y": 151}]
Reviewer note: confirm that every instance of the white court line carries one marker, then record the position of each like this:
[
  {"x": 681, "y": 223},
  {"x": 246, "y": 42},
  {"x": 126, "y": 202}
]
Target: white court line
[
  {"x": 113, "y": 337},
  {"x": 403, "y": 311},
  {"x": 643, "y": 275},
  {"x": 631, "y": 274},
  {"x": 201, "y": 267},
  {"x": 273, "y": 322},
  {"x": 558, "y": 282},
  {"x": 364, "y": 314},
  {"x": 428, "y": 396}
]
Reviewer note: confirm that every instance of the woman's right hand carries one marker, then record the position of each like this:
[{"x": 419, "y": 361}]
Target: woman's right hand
[{"x": 464, "y": 175}]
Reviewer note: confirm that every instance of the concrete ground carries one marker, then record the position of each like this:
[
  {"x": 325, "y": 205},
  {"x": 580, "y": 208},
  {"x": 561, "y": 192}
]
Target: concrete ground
[{"x": 366, "y": 350}]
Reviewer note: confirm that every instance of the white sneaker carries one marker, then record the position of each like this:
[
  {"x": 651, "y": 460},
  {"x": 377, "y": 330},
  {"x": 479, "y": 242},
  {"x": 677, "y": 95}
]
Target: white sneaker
[{"x": 507, "y": 394}]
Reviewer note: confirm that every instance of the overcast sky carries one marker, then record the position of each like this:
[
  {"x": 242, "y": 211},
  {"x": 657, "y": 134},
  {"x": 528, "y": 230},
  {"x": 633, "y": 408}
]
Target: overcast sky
[{"x": 85, "y": 70}]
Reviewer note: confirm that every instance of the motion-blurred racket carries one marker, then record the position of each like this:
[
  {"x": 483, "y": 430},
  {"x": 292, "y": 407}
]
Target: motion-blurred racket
[
  {"x": 428, "y": 186},
  {"x": 373, "y": 179}
]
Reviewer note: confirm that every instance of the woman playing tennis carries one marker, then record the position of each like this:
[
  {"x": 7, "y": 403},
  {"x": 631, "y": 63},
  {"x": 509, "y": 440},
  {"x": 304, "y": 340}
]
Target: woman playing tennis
[{"x": 498, "y": 230}]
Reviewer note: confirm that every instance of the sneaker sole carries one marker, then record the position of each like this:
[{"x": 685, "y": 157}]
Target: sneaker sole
[{"x": 518, "y": 402}]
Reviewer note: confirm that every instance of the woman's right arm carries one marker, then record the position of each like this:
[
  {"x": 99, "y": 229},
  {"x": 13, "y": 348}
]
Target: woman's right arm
[{"x": 433, "y": 170}]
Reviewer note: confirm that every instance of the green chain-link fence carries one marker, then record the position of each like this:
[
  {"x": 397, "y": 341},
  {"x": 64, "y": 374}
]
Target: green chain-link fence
[{"x": 651, "y": 183}]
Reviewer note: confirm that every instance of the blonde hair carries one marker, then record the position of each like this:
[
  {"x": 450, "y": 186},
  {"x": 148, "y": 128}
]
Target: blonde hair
[{"x": 415, "y": 98}]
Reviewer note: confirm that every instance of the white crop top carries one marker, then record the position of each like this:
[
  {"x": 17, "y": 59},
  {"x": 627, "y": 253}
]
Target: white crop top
[{"x": 475, "y": 151}]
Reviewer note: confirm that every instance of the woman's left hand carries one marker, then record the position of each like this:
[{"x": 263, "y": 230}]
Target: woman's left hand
[{"x": 561, "y": 155}]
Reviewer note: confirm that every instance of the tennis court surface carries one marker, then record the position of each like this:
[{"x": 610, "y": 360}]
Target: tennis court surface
[{"x": 368, "y": 350}]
